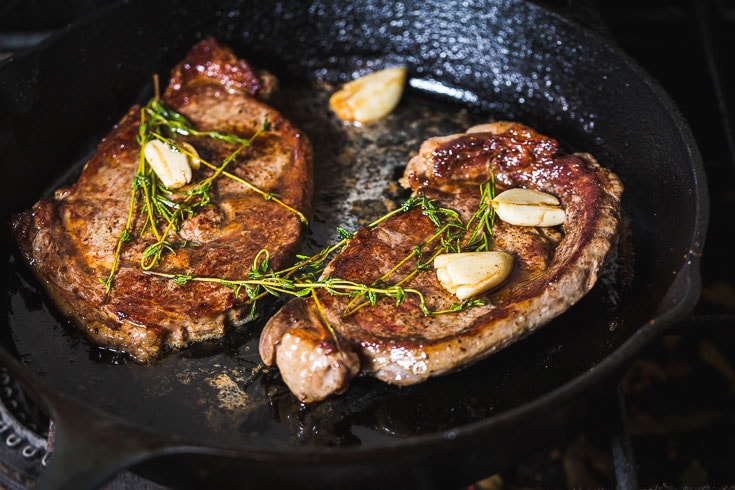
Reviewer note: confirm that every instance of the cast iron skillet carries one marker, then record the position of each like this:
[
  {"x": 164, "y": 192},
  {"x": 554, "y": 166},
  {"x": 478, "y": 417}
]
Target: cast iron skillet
[{"x": 209, "y": 416}]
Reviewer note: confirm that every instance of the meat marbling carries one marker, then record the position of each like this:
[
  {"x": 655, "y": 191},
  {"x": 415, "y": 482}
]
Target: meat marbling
[
  {"x": 319, "y": 349},
  {"x": 69, "y": 239}
]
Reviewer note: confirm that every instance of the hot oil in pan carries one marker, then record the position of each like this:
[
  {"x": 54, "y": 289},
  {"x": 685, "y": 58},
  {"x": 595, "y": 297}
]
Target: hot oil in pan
[{"x": 221, "y": 393}]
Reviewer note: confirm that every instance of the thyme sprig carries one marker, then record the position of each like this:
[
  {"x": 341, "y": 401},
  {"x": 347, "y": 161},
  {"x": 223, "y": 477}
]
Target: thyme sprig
[
  {"x": 306, "y": 276},
  {"x": 262, "y": 279},
  {"x": 481, "y": 223},
  {"x": 161, "y": 116},
  {"x": 163, "y": 214}
]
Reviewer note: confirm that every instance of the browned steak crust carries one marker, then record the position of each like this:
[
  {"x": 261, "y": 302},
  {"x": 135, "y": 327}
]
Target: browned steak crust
[
  {"x": 69, "y": 239},
  {"x": 403, "y": 346}
]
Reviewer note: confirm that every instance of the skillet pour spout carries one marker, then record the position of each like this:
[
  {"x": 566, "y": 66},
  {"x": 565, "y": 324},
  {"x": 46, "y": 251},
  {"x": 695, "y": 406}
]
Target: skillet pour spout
[{"x": 174, "y": 421}]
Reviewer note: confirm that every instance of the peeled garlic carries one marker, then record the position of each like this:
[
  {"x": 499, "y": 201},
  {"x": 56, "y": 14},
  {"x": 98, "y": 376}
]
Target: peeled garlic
[
  {"x": 369, "y": 98},
  {"x": 173, "y": 166},
  {"x": 191, "y": 153},
  {"x": 528, "y": 207},
  {"x": 469, "y": 274}
]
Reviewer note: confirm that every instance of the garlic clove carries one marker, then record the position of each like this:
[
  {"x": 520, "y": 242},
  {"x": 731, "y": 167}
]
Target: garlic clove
[
  {"x": 528, "y": 207},
  {"x": 469, "y": 274},
  {"x": 371, "y": 97},
  {"x": 444, "y": 278},
  {"x": 191, "y": 154},
  {"x": 172, "y": 166}
]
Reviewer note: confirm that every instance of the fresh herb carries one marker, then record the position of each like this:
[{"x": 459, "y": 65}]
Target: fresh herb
[
  {"x": 164, "y": 210},
  {"x": 481, "y": 223},
  {"x": 305, "y": 278}
]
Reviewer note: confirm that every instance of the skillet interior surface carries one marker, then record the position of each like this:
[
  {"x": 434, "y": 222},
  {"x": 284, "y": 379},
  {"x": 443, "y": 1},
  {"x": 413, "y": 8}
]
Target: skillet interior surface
[{"x": 467, "y": 64}]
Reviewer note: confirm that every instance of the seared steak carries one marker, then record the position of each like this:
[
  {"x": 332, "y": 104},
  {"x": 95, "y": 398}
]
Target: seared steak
[
  {"x": 321, "y": 342},
  {"x": 70, "y": 239}
]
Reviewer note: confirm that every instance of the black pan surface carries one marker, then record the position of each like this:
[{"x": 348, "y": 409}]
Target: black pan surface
[{"x": 214, "y": 412}]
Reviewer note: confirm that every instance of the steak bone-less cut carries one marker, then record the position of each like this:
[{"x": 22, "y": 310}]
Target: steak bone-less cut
[
  {"x": 69, "y": 239},
  {"x": 321, "y": 343}
]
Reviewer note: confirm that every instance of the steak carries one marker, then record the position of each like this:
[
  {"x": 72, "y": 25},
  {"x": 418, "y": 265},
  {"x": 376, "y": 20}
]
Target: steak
[
  {"x": 70, "y": 239},
  {"x": 321, "y": 342}
]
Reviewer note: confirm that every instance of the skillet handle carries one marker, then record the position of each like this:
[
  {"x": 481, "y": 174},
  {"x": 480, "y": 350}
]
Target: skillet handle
[{"x": 90, "y": 447}]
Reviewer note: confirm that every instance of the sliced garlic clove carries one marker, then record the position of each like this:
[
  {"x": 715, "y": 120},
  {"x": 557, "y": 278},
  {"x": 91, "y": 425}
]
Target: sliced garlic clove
[
  {"x": 444, "y": 278},
  {"x": 469, "y": 274},
  {"x": 528, "y": 207},
  {"x": 191, "y": 154},
  {"x": 172, "y": 166},
  {"x": 369, "y": 98}
]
